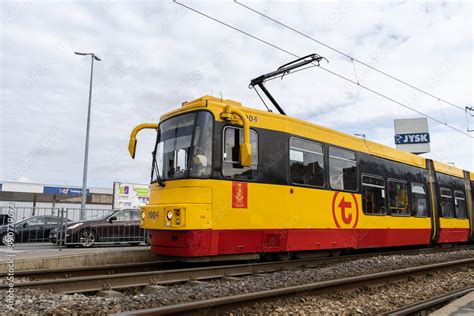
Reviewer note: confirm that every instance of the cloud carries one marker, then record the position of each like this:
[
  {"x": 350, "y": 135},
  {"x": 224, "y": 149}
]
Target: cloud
[{"x": 157, "y": 55}]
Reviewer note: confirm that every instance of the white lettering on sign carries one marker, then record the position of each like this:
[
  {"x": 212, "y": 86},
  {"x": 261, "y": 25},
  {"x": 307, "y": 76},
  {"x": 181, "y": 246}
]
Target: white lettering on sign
[{"x": 419, "y": 138}]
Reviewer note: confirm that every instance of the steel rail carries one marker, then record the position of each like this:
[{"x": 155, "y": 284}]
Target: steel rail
[
  {"x": 89, "y": 270},
  {"x": 429, "y": 303},
  {"x": 208, "y": 304}
]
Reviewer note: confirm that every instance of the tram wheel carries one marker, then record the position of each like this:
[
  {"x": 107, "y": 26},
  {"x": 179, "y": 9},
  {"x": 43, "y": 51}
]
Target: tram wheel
[{"x": 284, "y": 256}]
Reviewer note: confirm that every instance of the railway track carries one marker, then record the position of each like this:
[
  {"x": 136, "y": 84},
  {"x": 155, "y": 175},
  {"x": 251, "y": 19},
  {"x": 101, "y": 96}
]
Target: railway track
[
  {"x": 92, "y": 279},
  {"x": 163, "y": 264},
  {"x": 220, "y": 304},
  {"x": 428, "y": 304},
  {"x": 41, "y": 274}
]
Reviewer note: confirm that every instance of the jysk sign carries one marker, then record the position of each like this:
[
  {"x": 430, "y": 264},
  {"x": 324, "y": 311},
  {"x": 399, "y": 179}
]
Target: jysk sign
[
  {"x": 412, "y": 135},
  {"x": 415, "y": 138}
]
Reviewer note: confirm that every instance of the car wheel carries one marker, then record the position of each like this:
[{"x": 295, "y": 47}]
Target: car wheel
[
  {"x": 7, "y": 238},
  {"x": 87, "y": 238}
]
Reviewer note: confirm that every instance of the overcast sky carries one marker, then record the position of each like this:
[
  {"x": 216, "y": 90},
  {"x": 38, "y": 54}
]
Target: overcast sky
[{"x": 157, "y": 54}]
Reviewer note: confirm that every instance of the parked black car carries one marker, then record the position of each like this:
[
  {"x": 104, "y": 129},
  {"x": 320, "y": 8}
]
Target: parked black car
[
  {"x": 115, "y": 226},
  {"x": 33, "y": 229}
]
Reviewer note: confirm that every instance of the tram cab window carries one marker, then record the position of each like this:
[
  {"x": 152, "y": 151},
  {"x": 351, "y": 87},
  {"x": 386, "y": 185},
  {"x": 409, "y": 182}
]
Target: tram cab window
[
  {"x": 373, "y": 195},
  {"x": 446, "y": 203},
  {"x": 176, "y": 154},
  {"x": 201, "y": 158},
  {"x": 231, "y": 167},
  {"x": 460, "y": 204},
  {"x": 419, "y": 203},
  {"x": 342, "y": 169},
  {"x": 398, "y": 198},
  {"x": 306, "y": 162}
]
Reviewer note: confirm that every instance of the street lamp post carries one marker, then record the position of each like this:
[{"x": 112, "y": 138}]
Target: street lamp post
[{"x": 86, "y": 153}]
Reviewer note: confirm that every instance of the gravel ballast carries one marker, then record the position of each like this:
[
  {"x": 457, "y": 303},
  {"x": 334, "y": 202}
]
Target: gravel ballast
[
  {"x": 367, "y": 300},
  {"x": 44, "y": 302}
]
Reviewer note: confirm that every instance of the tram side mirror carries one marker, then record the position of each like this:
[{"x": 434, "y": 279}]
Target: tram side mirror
[
  {"x": 132, "y": 146},
  {"x": 25, "y": 224},
  {"x": 245, "y": 155}
]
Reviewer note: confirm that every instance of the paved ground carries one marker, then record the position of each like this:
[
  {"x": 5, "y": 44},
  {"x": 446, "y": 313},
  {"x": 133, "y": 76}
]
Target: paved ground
[
  {"x": 35, "y": 250},
  {"x": 459, "y": 307}
]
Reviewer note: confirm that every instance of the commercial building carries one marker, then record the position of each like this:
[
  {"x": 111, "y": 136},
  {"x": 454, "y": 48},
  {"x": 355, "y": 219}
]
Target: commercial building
[{"x": 36, "y": 195}]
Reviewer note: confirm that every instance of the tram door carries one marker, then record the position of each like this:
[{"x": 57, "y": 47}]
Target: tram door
[{"x": 469, "y": 185}]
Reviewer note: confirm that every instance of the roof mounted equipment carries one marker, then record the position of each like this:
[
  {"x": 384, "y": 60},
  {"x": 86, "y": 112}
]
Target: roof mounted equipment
[{"x": 283, "y": 70}]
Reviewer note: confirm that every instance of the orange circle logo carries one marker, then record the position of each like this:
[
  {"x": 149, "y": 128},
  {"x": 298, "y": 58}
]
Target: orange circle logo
[{"x": 345, "y": 210}]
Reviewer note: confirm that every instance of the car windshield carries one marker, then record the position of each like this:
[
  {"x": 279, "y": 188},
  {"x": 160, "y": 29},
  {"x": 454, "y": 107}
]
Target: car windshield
[
  {"x": 31, "y": 221},
  {"x": 184, "y": 147},
  {"x": 100, "y": 216},
  {"x": 20, "y": 222}
]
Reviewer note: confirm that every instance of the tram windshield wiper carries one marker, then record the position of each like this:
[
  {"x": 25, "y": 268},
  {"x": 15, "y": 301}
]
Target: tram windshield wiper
[{"x": 283, "y": 70}]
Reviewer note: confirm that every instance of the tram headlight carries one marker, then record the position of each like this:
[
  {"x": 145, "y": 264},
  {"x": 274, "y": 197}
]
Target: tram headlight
[
  {"x": 169, "y": 215},
  {"x": 143, "y": 215}
]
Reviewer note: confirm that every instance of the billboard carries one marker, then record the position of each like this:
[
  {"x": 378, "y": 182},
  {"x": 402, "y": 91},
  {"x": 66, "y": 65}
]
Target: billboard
[
  {"x": 130, "y": 195},
  {"x": 412, "y": 135}
]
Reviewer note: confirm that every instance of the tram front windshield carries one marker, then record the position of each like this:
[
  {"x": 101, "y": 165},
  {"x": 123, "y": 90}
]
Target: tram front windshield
[{"x": 184, "y": 147}]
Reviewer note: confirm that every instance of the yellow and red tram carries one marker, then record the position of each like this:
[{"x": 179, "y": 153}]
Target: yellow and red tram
[{"x": 232, "y": 180}]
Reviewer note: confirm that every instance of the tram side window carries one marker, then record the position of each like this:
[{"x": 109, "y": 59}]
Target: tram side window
[
  {"x": 231, "y": 167},
  {"x": 342, "y": 169},
  {"x": 446, "y": 203},
  {"x": 398, "y": 198},
  {"x": 460, "y": 204},
  {"x": 419, "y": 203},
  {"x": 373, "y": 195},
  {"x": 306, "y": 162}
]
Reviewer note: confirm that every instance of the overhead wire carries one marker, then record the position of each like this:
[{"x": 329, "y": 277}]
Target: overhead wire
[
  {"x": 347, "y": 55},
  {"x": 468, "y": 109},
  {"x": 442, "y": 112},
  {"x": 321, "y": 67}
]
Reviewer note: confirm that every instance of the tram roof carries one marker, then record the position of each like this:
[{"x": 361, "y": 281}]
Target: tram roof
[{"x": 301, "y": 128}]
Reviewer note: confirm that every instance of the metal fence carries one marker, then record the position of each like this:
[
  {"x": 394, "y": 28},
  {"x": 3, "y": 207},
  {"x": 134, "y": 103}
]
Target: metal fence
[{"x": 65, "y": 227}]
